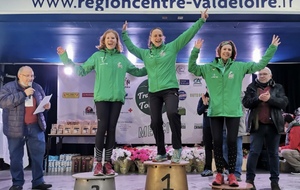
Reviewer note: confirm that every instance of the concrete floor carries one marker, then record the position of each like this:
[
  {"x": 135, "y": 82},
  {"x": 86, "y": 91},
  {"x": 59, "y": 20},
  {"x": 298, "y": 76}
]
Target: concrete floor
[{"x": 137, "y": 181}]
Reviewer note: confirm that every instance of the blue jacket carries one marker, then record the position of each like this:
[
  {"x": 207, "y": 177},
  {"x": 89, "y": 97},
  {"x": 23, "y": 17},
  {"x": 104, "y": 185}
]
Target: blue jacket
[{"x": 12, "y": 101}]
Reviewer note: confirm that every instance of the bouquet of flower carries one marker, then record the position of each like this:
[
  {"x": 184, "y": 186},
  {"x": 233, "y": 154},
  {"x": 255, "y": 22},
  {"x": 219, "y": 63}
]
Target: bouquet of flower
[
  {"x": 199, "y": 154},
  {"x": 140, "y": 154},
  {"x": 187, "y": 154},
  {"x": 120, "y": 154}
]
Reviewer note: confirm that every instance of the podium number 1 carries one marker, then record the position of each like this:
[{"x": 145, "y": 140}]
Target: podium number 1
[{"x": 167, "y": 177}]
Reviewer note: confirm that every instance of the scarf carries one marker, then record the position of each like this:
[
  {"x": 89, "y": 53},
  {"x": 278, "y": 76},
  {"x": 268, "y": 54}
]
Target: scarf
[{"x": 261, "y": 85}]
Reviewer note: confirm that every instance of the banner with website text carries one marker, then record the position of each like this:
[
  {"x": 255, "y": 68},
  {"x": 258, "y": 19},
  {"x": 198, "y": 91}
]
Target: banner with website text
[
  {"x": 75, "y": 96},
  {"x": 149, "y": 6}
]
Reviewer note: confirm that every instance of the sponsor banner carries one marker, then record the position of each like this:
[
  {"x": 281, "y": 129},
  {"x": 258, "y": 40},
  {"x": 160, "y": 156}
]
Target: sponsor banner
[
  {"x": 134, "y": 122},
  {"x": 149, "y": 6}
]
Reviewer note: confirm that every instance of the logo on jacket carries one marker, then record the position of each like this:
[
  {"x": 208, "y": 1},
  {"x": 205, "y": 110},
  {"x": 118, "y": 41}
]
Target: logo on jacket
[
  {"x": 103, "y": 61},
  {"x": 214, "y": 76},
  {"x": 230, "y": 75},
  {"x": 120, "y": 65}
]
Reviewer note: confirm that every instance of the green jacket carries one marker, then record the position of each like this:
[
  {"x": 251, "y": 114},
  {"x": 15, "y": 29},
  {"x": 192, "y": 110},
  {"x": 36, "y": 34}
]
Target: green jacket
[
  {"x": 160, "y": 61},
  {"x": 225, "y": 82},
  {"x": 110, "y": 67}
]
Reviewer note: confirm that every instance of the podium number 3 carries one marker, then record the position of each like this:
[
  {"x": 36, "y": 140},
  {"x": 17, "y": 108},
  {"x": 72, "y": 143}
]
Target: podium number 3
[{"x": 167, "y": 177}]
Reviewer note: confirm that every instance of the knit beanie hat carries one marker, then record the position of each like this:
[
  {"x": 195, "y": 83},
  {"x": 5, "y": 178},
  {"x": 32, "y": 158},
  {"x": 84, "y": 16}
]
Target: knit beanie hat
[
  {"x": 229, "y": 42},
  {"x": 288, "y": 118}
]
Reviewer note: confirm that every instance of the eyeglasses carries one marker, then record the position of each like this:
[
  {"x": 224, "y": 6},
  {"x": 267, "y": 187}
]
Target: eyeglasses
[
  {"x": 29, "y": 76},
  {"x": 263, "y": 74}
]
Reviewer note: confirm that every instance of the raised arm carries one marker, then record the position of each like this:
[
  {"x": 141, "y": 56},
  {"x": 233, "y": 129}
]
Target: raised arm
[
  {"x": 188, "y": 35},
  {"x": 252, "y": 67},
  {"x": 81, "y": 70},
  {"x": 128, "y": 43},
  {"x": 133, "y": 70},
  {"x": 193, "y": 67}
]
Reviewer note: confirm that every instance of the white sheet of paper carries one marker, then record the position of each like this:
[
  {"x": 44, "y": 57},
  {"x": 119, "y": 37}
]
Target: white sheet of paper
[
  {"x": 41, "y": 108},
  {"x": 29, "y": 102}
]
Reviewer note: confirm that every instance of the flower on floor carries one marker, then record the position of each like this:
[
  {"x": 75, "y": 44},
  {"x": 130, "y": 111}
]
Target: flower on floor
[
  {"x": 199, "y": 154},
  {"x": 187, "y": 154},
  {"x": 169, "y": 150},
  {"x": 140, "y": 154},
  {"x": 120, "y": 154}
]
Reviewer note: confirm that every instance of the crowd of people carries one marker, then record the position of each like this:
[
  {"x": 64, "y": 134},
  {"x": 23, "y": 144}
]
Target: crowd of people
[{"x": 222, "y": 107}]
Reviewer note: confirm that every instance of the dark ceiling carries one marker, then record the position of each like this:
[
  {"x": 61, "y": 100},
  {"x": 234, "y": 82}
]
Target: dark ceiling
[{"x": 32, "y": 39}]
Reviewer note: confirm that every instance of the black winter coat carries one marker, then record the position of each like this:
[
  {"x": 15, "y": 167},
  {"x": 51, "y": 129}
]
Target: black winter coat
[{"x": 277, "y": 102}]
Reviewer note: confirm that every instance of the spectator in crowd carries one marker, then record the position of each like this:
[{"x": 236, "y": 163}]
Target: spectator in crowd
[
  {"x": 265, "y": 99},
  {"x": 109, "y": 92},
  {"x": 207, "y": 136},
  {"x": 19, "y": 99},
  {"x": 160, "y": 61},
  {"x": 291, "y": 150}
]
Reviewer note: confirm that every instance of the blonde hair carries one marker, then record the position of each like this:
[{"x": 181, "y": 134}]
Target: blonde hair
[{"x": 102, "y": 45}]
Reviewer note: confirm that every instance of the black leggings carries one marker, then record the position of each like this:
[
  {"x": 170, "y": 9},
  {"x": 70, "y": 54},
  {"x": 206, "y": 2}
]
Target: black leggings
[
  {"x": 208, "y": 142},
  {"x": 107, "y": 117},
  {"x": 171, "y": 100},
  {"x": 232, "y": 124}
]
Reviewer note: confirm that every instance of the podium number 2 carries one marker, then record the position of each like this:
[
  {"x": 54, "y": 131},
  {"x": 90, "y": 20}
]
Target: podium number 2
[
  {"x": 167, "y": 177},
  {"x": 96, "y": 187}
]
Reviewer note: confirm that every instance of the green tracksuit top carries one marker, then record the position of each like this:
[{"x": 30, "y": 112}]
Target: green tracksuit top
[
  {"x": 160, "y": 61},
  {"x": 110, "y": 67},
  {"x": 225, "y": 82}
]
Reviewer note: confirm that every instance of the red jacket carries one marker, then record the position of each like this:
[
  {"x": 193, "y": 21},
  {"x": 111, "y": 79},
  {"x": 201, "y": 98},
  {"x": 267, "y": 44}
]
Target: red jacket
[{"x": 294, "y": 139}]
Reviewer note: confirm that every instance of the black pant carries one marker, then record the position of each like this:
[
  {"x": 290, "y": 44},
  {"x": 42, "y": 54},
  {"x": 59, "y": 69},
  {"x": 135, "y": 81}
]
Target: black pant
[
  {"x": 107, "y": 116},
  {"x": 171, "y": 100},
  {"x": 232, "y": 124},
  {"x": 208, "y": 142}
]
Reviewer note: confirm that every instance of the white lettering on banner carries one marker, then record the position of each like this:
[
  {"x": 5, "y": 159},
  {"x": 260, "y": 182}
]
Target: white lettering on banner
[{"x": 151, "y": 6}]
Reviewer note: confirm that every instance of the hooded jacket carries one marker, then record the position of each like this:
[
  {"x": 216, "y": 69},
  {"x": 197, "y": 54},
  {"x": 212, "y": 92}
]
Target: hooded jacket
[
  {"x": 277, "y": 103},
  {"x": 160, "y": 61},
  {"x": 225, "y": 82},
  {"x": 12, "y": 101},
  {"x": 110, "y": 67}
]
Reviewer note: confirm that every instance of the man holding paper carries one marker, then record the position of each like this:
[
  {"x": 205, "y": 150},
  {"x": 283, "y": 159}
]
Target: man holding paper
[{"x": 19, "y": 99}]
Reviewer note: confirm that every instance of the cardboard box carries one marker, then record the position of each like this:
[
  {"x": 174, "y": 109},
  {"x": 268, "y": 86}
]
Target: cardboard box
[
  {"x": 76, "y": 129},
  {"x": 54, "y": 129},
  {"x": 86, "y": 129},
  {"x": 67, "y": 130},
  {"x": 76, "y": 164},
  {"x": 93, "y": 129},
  {"x": 87, "y": 163}
]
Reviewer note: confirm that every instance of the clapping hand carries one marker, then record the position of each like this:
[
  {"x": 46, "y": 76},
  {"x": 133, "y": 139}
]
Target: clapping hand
[{"x": 264, "y": 96}]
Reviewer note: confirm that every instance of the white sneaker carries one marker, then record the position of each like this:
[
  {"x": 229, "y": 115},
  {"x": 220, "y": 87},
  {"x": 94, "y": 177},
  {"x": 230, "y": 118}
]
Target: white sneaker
[{"x": 295, "y": 173}]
